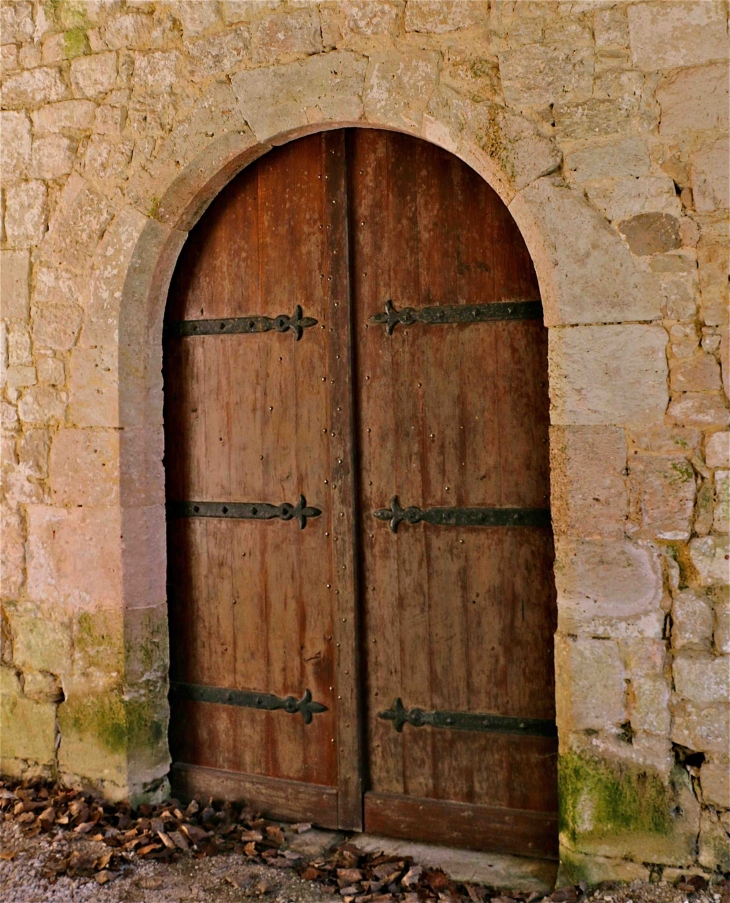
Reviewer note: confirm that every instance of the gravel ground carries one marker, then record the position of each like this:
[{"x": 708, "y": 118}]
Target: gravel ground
[{"x": 225, "y": 878}]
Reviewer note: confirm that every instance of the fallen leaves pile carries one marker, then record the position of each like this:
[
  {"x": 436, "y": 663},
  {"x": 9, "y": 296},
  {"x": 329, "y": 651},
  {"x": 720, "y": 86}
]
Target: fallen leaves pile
[{"x": 170, "y": 830}]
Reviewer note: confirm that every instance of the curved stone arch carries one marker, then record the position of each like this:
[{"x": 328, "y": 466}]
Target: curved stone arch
[{"x": 586, "y": 274}]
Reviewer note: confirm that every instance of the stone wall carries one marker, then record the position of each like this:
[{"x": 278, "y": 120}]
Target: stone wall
[{"x": 604, "y": 126}]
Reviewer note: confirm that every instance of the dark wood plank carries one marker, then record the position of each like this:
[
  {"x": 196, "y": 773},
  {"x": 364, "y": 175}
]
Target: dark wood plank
[
  {"x": 462, "y": 825},
  {"x": 273, "y": 797}
]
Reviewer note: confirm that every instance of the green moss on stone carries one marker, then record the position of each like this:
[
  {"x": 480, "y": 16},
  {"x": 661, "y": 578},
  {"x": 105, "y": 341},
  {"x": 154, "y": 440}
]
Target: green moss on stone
[
  {"x": 683, "y": 472},
  {"x": 112, "y": 722},
  {"x": 75, "y": 42},
  {"x": 602, "y": 798}
]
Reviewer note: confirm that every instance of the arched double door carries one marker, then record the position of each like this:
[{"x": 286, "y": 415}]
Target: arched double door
[{"x": 360, "y": 553}]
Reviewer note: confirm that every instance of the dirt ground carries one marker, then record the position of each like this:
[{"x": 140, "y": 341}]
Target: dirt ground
[{"x": 226, "y": 878}]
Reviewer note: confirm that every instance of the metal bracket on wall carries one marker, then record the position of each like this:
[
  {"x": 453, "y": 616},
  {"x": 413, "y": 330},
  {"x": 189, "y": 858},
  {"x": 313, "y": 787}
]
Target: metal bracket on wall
[
  {"x": 247, "y": 699},
  {"x": 458, "y": 313},
  {"x": 468, "y": 721},
  {"x": 463, "y": 517},
  {"x": 245, "y": 510},
  {"x": 241, "y": 325}
]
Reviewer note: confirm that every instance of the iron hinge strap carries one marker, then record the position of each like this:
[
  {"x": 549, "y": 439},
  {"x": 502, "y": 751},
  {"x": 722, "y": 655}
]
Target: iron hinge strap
[
  {"x": 457, "y": 313},
  {"x": 242, "y": 325},
  {"x": 245, "y": 510},
  {"x": 468, "y": 721},
  {"x": 248, "y": 699},
  {"x": 463, "y": 517}
]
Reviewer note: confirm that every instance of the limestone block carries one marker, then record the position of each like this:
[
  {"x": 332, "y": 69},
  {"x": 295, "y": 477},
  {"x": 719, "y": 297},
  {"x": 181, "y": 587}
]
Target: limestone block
[
  {"x": 711, "y": 178},
  {"x": 692, "y": 620},
  {"x": 587, "y": 275},
  {"x": 371, "y": 17},
  {"x": 52, "y": 157},
  {"x": 196, "y": 18},
  {"x": 700, "y": 373},
  {"x": 42, "y": 686},
  {"x": 398, "y": 88},
  {"x": 597, "y": 118},
  {"x": 611, "y": 28},
  {"x": 14, "y": 278},
  {"x": 666, "y": 36},
  {"x": 42, "y": 404},
  {"x": 576, "y": 867},
  {"x": 15, "y": 146},
  {"x": 721, "y": 523},
  {"x": 298, "y": 31},
  {"x": 712, "y": 260},
  {"x": 40, "y": 643},
  {"x": 717, "y": 450},
  {"x": 680, "y": 295},
  {"x": 449, "y": 15},
  {"x": 714, "y": 847},
  {"x": 99, "y": 648},
  {"x": 74, "y": 555},
  {"x": 12, "y": 551},
  {"x": 79, "y": 222},
  {"x": 711, "y": 557},
  {"x": 56, "y": 284},
  {"x": 649, "y": 706},
  {"x": 94, "y": 388},
  {"x": 19, "y": 347},
  {"x": 142, "y": 475},
  {"x": 704, "y": 409},
  {"x": 588, "y": 363},
  {"x": 663, "y": 496},
  {"x": 26, "y": 213},
  {"x": 56, "y": 325},
  {"x": 64, "y": 116},
  {"x": 588, "y": 486},
  {"x": 34, "y": 447},
  {"x": 33, "y": 88},
  {"x": 651, "y": 233},
  {"x": 132, "y": 31},
  {"x": 155, "y": 72},
  {"x": 628, "y": 158},
  {"x": 539, "y": 74},
  {"x": 84, "y": 467},
  {"x": 625, "y": 198},
  {"x": 16, "y": 22},
  {"x": 17, "y": 377},
  {"x": 146, "y": 647},
  {"x": 243, "y": 10},
  {"x": 217, "y": 53},
  {"x": 590, "y": 688},
  {"x": 8, "y": 58},
  {"x": 701, "y": 677},
  {"x": 715, "y": 782},
  {"x": 29, "y": 727},
  {"x": 276, "y": 99},
  {"x": 608, "y": 588},
  {"x": 94, "y": 76},
  {"x": 694, "y": 99}
]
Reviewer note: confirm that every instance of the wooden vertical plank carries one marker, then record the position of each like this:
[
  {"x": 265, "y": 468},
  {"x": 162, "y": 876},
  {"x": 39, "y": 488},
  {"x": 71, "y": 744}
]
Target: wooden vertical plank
[{"x": 343, "y": 497}]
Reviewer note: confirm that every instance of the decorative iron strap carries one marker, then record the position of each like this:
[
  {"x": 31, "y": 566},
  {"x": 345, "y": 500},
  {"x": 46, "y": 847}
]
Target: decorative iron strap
[
  {"x": 237, "y": 325},
  {"x": 248, "y": 699},
  {"x": 245, "y": 510},
  {"x": 458, "y": 313},
  {"x": 468, "y": 721},
  {"x": 463, "y": 517}
]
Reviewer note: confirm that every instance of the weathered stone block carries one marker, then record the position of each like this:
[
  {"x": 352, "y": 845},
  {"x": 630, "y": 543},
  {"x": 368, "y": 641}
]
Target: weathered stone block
[
  {"x": 576, "y": 867},
  {"x": 52, "y": 157},
  {"x": 714, "y": 848},
  {"x": 715, "y": 781},
  {"x": 701, "y": 677},
  {"x": 42, "y": 404},
  {"x": 717, "y": 450},
  {"x": 217, "y": 53},
  {"x": 40, "y": 643},
  {"x": 370, "y": 17},
  {"x": 611, "y": 28},
  {"x": 712, "y": 260},
  {"x": 439, "y": 18},
  {"x": 14, "y": 278},
  {"x": 692, "y": 620},
  {"x": 298, "y": 31},
  {"x": 94, "y": 76},
  {"x": 588, "y": 485},
  {"x": 538, "y": 74},
  {"x": 608, "y": 588},
  {"x": 64, "y": 116},
  {"x": 704, "y": 409},
  {"x": 15, "y": 146},
  {"x": 26, "y": 213},
  {"x": 610, "y": 808},
  {"x": 12, "y": 551},
  {"x": 588, "y": 363},
  {"x": 663, "y": 496},
  {"x": 620, "y": 159},
  {"x": 132, "y": 31},
  {"x": 78, "y": 223},
  {"x": 56, "y": 326},
  {"x": 196, "y": 18},
  {"x": 626, "y": 198},
  {"x": 29, "y": 727},
  {"x": 702, "y": 728},
  {"x": 721, "y": 522},
  {"x": 711, "y": 556},
  {"x": 155, "y": 73},
  {"x": 85, "y": 467},
  {"x": 277, "y": 99},
  {"x": 700, "y": 373},
  {"x": 679, "y": 34},
  {"x": 694, "y": 99},
  {"x": 397, "y": 89},
  {"x": 51, "y": 371},
  {"x": 649, "y": 705},
  {"x": 651, "y": 233},
  {"x": 94, "y": 387},
  {"x": 42, "y": 686},
  {"x": 33, "y": 88},
  {"x": 711, "y": 178},
  {"x": 591, "y": 693}
]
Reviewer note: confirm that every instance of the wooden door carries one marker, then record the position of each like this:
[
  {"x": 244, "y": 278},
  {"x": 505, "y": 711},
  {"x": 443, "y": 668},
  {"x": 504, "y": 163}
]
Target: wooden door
[{"x": 355, "y": 322}]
